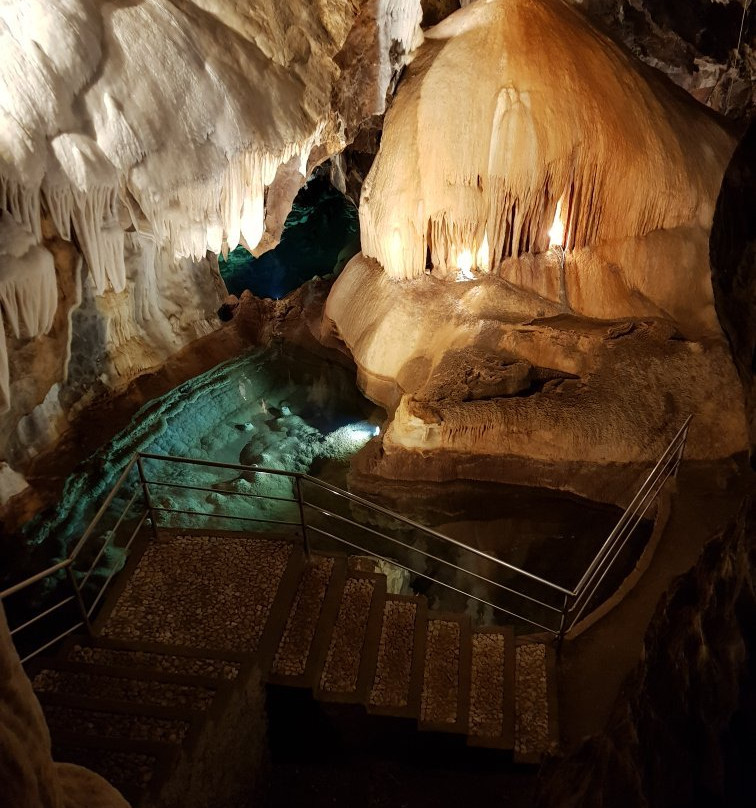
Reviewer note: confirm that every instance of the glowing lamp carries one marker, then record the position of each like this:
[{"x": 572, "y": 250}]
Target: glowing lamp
[
  {"x": 556, "y": 232},
  {"x": 464, "y": 264},
  {"x": 483, "y": 258}
]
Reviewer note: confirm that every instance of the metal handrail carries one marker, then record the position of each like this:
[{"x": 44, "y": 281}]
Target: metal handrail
[
  {"x": 647, "y": 482},
  {"x": 666, "y": 466},
  {"x": 358, "y": 501},
  {"x": 574, "y": 601}
]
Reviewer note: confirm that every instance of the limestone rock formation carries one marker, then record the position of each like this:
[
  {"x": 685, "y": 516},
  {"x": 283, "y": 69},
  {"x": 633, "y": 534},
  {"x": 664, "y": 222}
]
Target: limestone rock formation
[
  {"x": 135, "y": 137},
  {"x": 28, "y": 775},
  {"x": 705, "y": 46},
  {"x": 548, "y": 205}
]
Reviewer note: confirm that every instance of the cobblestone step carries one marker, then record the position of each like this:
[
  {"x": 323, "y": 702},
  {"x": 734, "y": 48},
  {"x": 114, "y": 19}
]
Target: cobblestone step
[
  {"x": 199, "y": 608},
  {"x": 492, "y": 687},
  {"x": 201, "y": 591},
  {"x": 130, "y": 685},
  {"x": 152, "y": 657},
  {"x": 535, "y": 701},
  {"x": 113, "y": 719},
  {"x": 312, "y": 614},
  {"x": 444, "y": 700},
  {"x": 397, "y": 683},
  {"x": 349, "y": 664}
]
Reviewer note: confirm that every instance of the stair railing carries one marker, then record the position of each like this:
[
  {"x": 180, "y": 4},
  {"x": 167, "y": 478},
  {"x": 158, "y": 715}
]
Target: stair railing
[{"x": 138, "y": 500}]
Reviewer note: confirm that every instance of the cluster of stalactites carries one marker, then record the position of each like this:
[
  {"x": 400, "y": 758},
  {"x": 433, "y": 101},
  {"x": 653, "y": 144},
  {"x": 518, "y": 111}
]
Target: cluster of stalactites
[
  {"x": 493, "y": 149},
  {"x": 84, "y": 195}
]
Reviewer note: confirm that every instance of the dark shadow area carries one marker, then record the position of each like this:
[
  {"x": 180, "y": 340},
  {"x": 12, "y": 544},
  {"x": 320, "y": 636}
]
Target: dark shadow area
[
  {"x": 321, "y": 233},
  {"x": 338, "y": 756},
  {"x": 732, "y": 249}
]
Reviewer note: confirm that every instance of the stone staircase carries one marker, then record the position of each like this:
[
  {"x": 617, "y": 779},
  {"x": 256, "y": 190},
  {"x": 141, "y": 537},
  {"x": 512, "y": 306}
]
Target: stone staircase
[{"x": 198, "y": 617}]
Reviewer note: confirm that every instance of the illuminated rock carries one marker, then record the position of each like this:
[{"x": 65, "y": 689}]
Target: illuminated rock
[{"x": 518, "y": 126}]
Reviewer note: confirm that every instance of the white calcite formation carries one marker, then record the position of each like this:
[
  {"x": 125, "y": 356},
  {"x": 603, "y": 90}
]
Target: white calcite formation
[
  {"x": 535, "y": 282},
  {"x": 149, "y": 133},
  {"x": 28, "y": 292},
  {"x": 519, "y": 126}
]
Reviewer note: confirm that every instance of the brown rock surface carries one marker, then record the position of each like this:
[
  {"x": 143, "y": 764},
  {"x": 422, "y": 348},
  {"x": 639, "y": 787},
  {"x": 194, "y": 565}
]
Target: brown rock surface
[{"x": 28, "y": 775}]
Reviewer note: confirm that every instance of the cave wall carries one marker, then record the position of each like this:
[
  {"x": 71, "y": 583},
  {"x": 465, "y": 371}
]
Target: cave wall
[
  {"x": 682, "y": 731},
  {"x": 705, "y": 46},
  {"x": 129, "y": 180},
  {"x": 28, "y": 776},
  {"x": 733, "y": 266}
]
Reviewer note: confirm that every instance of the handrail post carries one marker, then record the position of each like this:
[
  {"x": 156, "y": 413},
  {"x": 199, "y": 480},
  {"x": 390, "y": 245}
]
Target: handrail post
[
  {"x": 563, "y": 622},
  {"x": 79, "y": 598},
  {"x": 300, "y": 502},
  {"x": 147, "y": 498},
  {"x": 680, "y": 451}
]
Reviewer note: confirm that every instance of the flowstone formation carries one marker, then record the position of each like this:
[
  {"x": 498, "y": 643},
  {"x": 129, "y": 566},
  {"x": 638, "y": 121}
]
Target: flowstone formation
[
  {"x": 535, "y": 282},
  {"x": 139, "y": 140}
]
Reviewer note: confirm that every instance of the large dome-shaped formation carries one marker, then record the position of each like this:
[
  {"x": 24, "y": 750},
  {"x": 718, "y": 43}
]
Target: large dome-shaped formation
[
  {"x": 520, "y": 125},
  {"x": 569, "y": 190}
]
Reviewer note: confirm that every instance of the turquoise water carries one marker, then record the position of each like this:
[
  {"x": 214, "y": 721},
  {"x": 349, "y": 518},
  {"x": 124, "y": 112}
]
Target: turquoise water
[
  {"x": 320, "y": 235},
  {"x": 278, "y": 407}
]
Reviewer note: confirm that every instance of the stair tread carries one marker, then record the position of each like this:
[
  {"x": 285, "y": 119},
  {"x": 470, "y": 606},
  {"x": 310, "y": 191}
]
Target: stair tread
[
  {"x": 106, "y": 722},
  {"x": 202, "y": 591},
  {"x": 392, "y": 684},
  {"x": 443, "y": 703},
  {"x": 213, "y": 668},
  {"x": 532, "y": 736},
  {"x": 298, "y": 635},
  {"x": 118, "y": 686},
  {"x": 491, "y": 720},
  {"x": 346, "y": 661},
  {"x": 131, "y": 772}
]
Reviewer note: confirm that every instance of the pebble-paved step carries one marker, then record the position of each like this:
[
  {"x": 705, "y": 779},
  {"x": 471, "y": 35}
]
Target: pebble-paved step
[
  {"x": 202, "y": 592},
  {"x": 397, "y": 683},
  {"x": 535, "y": 703},
  {"x": 151, "y": 657},
  {"x": 114, "y": 719},
  {"x": 349, "y": 663},
  {"x": 446, "y": 674},
  {"x": 131, "y": 766},
  {"x": 492, "y": 685},
  {"x": 103, "y": 682},
  {"x": 312, "y": 614}
]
